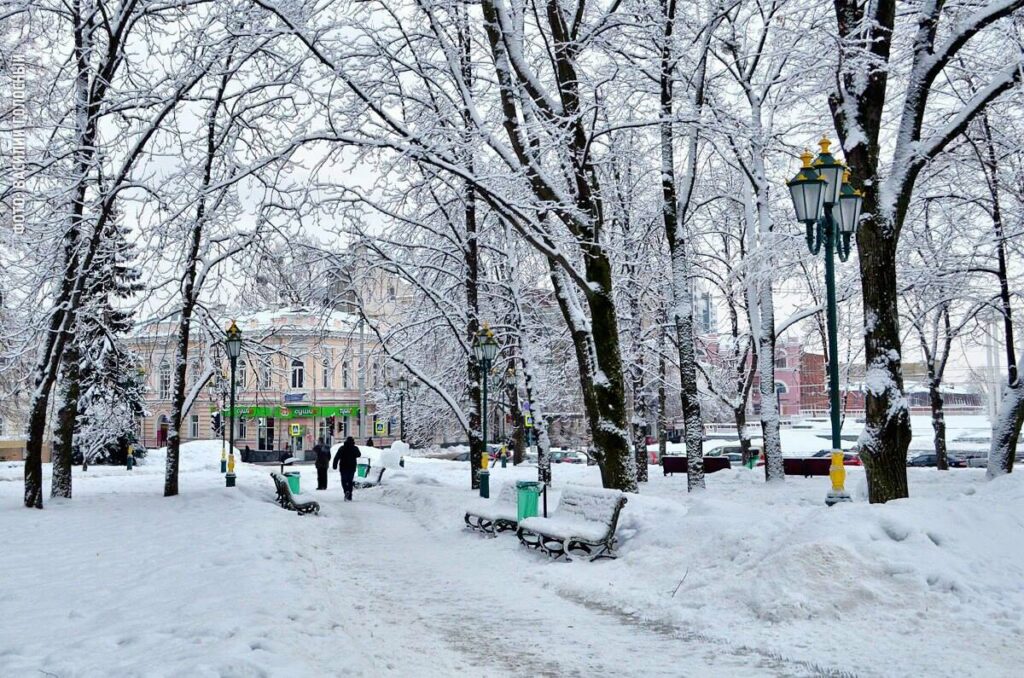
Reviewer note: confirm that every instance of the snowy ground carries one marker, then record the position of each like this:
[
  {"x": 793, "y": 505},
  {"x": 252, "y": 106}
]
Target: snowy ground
[{"x": 742, "y": 580}]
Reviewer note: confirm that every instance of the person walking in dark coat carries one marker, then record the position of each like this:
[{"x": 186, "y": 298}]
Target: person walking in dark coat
[
  {"x": 345, "y": 462},
  {"x": 323, "y": 460}
]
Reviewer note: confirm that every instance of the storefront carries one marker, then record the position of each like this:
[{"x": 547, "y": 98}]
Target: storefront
[{"x": 297, "y": 428}]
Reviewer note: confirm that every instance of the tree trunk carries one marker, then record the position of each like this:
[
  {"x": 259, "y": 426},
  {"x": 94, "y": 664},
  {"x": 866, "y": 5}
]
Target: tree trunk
[
  {"x": 63, "y": 450},
  {"x": 740, "y": 416},
  {"x": 1006, "y": 429},
  {"x": 773, "y": 468},
  {"x": 471, "y": 254},
  {"x": 516, "y": 412},
  {"x": 886, "y": 434},
  {"x": 938, "y": 423}
]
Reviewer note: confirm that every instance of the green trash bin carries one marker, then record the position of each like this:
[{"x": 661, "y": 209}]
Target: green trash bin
[
  {"x": 293, "y": 481},
  {"x": 362, "y": 469},
  {"x": 527, "y": 493}
]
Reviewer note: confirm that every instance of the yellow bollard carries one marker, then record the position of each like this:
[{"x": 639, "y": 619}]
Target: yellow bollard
[
  {"x": 837, "y": 472},
  {"x": 231, "y": 462},
  {"x": 485, "y": 457}
]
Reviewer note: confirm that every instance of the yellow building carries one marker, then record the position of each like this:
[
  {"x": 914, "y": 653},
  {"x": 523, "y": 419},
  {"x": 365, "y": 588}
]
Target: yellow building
[{"x": 302, "y": 376}]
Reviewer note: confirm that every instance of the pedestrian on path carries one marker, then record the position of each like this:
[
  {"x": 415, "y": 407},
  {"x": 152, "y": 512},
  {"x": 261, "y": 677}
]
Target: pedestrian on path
[
  {"x": 345, "y": 462},
  {"x": 323, "y": 460}
]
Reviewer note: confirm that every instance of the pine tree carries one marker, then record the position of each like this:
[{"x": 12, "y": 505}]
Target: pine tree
[{"x": 111, "y": 387}]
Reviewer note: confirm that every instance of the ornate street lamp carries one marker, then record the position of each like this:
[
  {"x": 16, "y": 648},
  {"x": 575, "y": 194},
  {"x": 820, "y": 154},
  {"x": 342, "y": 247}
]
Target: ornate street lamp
[
  {"x": 402, "y": 384},
  {"x": 485, "y": 349},
  {"x": 829, "y": 207},
  {"x": 233, "y": 346}
]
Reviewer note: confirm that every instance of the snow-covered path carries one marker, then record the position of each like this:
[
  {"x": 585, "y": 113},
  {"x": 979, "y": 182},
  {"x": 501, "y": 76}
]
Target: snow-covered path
[
  {"x": 223, "y": 582},
  {"x": 454, "y": 595}
]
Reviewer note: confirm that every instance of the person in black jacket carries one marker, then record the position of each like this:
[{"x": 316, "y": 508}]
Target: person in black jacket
[
  {"x": 323, "y": 460},
  {"x": 345, "y": 461}
]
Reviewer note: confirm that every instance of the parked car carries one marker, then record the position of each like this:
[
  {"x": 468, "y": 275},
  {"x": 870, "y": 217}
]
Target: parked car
[
  {"x": 930, "y": 459},
  {"x": 849, "y": 458},
  {"x": 567, "y": 457}
]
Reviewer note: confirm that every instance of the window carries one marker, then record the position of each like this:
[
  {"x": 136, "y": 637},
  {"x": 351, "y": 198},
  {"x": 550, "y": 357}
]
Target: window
[
  {"x": 240, "y": 375},
  {"x": 298, "y": 374},
  {"x": 193, "y": 372},
  {"x": 240, "y": 432},
  {"x": 324, "y": 431},
  {"x": 391, "y": 292},
  {"x": 375, "y": 373},
  {"x": 344, "y": 375},
  {"x": 266, "y": 374},
  {"x": 780, "y": 388},
  {"x": 780, "y": 360},
  {"x": 1, "y": 426},
  {"x": 164, "y": 380},
  {"x": 193, "y": 426},
  {"x": 265, "y": 439},
  {"x": 325, "y": 381}
]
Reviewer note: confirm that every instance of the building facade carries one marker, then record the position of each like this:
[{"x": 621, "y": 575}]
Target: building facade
[{"x": 303, "y": 376}]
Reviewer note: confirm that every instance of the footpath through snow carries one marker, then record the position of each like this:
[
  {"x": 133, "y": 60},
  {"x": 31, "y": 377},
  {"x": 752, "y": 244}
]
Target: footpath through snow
[{"x": 743, "y": 580}]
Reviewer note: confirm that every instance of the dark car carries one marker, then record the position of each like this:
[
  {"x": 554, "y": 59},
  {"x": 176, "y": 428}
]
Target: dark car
[{"x": 930, "y": 459}]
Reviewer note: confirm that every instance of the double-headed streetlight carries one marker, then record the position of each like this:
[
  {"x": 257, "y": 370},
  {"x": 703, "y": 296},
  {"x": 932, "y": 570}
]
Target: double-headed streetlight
[
  {"x": 485, "y": 349},
  {"x": 233, "y": 346},
  {"x": 829, "y": 207}
]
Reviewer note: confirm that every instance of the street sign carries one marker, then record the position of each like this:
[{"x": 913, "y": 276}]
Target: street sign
[
  {"x": 528, "y": 420},
  {"x": 380, "y": 428}
]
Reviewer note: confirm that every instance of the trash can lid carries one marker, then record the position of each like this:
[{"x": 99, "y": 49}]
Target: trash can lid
[
  {"x": 527, "y": 484},
  {"x": 291, "y": 473}
]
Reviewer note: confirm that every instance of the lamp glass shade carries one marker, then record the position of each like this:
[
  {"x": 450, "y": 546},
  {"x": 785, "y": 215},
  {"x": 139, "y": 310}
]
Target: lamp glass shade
[
  {"x": 415, "y": 386},
  {"x": 233, "y": 341},
  {"x": 490, "y": 349},
  {"x": 808, "y": 197},
  {"x": 833, "y": 175},
  {"x": 478, "y": 350},
  {"x": 403, "y": 383},
  {"x": 849, "y": 210}
]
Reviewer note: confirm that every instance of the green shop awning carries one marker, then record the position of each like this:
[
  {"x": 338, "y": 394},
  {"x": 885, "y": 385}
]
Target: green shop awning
[{"x": 300, "y": 411}]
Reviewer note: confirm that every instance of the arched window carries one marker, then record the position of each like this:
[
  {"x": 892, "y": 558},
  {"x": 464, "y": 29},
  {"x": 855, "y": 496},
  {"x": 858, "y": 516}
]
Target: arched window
[
  {"x": 266, "y": 374},
  {"x": 780, "y": 388},
  {"x": 240, "y": 375},
  {"x": 344, "y": 375},
  {"x": 298, "y": 374},
  {"x": 164, "y": 381},
  {"x": 325, "y": 375}
]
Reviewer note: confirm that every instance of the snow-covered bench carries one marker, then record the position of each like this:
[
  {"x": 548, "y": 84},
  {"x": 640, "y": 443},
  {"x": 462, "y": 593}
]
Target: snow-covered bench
[
  {"x": 491, "y": 516},
  {"x": 286, "y": 500},
  {"x": 372, "y": 479},
  {"x": 585, "y": 519}
]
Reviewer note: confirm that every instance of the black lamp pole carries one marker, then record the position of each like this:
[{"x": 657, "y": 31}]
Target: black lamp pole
[{"x": 233, "y": 343}]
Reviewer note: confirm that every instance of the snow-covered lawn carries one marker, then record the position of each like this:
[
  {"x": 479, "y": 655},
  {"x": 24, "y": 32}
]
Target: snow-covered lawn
[{"x": 741, "y": 580}]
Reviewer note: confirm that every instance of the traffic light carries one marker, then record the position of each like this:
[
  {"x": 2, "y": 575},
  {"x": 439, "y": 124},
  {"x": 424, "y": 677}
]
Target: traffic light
[{"x": 217, "y": 423}]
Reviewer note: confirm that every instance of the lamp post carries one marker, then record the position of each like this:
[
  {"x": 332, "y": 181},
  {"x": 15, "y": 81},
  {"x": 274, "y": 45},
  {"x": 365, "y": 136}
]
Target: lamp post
[
  {"x": 485, "y": 349},
  {"x": 233, "y": 346},
  {"x": 829, "y": 208},
  {"x": 403, "y": 384}
]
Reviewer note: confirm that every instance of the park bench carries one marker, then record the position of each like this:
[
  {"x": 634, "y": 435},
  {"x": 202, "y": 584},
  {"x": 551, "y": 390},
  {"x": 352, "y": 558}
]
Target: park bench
[
  {"x": 806, "y": 466},
  {"x": 677, "y": 464},
  {"x": 372, "y": 479},
  {"x": 491, "y": 516},
  {"x": 585, "y": 519},
  {"x": 286, "y": 500}
]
